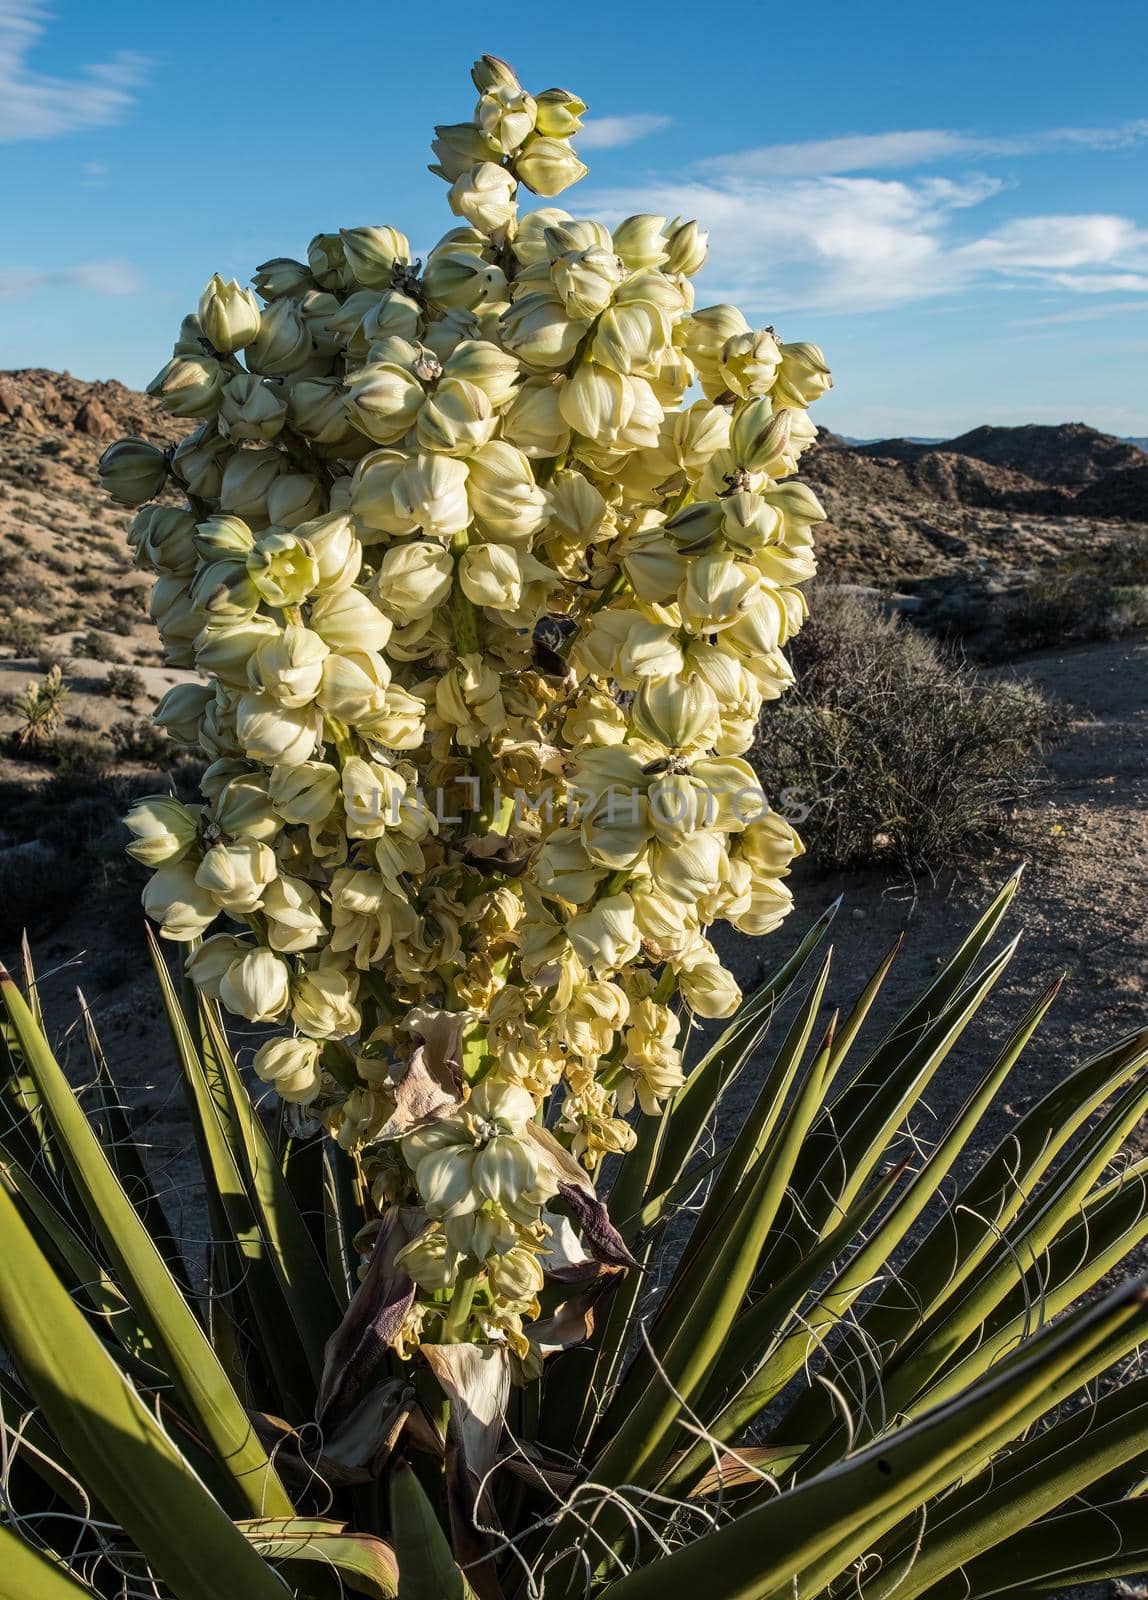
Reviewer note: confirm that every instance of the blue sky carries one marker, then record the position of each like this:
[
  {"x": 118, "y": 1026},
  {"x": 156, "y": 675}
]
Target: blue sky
[{"x": 952, "y": 200}]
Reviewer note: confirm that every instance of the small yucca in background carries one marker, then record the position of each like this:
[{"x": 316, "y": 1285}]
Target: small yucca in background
[{"x": 863, "y": 1371}]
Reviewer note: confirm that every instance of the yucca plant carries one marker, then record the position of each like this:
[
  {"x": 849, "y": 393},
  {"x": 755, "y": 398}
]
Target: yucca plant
[{"x": 871, "y": 1364}]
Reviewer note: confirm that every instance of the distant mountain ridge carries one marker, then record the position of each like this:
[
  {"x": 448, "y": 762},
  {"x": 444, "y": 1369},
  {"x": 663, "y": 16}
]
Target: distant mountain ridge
[
  {"x": 1070, "y": 453},
  {"x": 1065, "y": 470}
]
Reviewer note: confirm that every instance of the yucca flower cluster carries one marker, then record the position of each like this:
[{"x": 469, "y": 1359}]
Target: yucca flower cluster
[{"x": 487, "y": 565}]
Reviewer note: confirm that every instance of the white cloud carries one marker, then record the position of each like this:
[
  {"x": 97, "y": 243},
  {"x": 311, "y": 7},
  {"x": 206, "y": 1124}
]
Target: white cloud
[
  {"x": 913, "y": 147},
  {"x": 866, "y": 243},
  {"x": 34, "y": 105},
  {"x": 607, "y": 133},
  {"x": 97, "y": 277}
]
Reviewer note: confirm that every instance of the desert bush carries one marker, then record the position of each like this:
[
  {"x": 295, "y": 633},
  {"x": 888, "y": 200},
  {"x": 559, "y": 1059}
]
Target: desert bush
[
  {"x": 123, "y": 683},
  {"x": 1099, "y": 595},
  {"x": 97, "y": 646},
  {"x": 61, "y": 839},
  {"x": 889, "y": 749},
  {"x": 20, "y": 636},
  {"x": 140, "y": 740},
  {"x": 80, "y": 754}
]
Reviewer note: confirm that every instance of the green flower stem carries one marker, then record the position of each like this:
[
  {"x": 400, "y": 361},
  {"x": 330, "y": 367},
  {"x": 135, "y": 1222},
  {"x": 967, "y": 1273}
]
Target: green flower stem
[
  {"x": 456, "y": 1319},
  {"x": 464, "y": 613},
  {"x": 338, "y": 734}
]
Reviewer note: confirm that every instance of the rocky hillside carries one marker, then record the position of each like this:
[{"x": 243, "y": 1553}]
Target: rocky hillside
[
  {"x": 1070, "y": 455},
  {"x": 933, "y": 522}
]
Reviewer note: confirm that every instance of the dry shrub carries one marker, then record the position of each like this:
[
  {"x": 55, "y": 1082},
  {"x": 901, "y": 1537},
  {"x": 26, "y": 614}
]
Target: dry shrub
[{"x": 898, "y": 752}]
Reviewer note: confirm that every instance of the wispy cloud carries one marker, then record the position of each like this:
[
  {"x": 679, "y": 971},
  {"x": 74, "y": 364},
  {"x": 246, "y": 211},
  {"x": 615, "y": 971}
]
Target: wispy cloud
[
  {"x": 98, "y": 277},
  {"x": 34, "y": 105},
  {"x": 607, "y": 133},
  {"x": 865, "y": 243},
  {"x": 914, "y": 147}
]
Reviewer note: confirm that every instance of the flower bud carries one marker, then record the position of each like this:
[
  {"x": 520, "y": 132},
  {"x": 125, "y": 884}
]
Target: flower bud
[
  {"x": 304, "y": 793},
  {"x": 716, "y": 592},
  {"x": 352, "y": 686},
  {"x": 558, "y": 113},
  {"x": 283, "y": 279},
  {"x": 641, "y": 242},
  {"x": 162, "y": 829},
  {"x": 163, "y": 539},
  {"x": 328, "y": 261},
  {"x": 539, "y": 331},
  {"x": 177, "y": 902},
  {"x": 291, "y": 1067},
  {"x": 748, "y": 521},
  {"x": 181, "y": 709},
  {"x": 189, "y": 386},
  {"x": 534, "y": 422},
  {"x": 503, "y": 495},
  {"x": 323, "y": 1003},
  {"x": 198, "y": 461},
  {"x": 338, "y": 553},
  {"x": 490, "y": 72},
  {"x": 804, "y": 376},
  {"x": 484, "y": 195},
  {"x": 257, "y": 986},
  {"x": 290, "y": 667},
  {"x": 605, "y": 938},
  {"x": 173, "y": 609},
  {"x": 678, "y": 714},
  {"x": 225, "y": 649},
  {"x": 759, "y": 436},
  {"x": 383, "y": 401},
  {"x": 631, "y": 339},
  {"x": 222, "y": 537},
  {"x": 294, "y": 497},
  {"x": 207, "y": 966},
  {"x": 459, "y": 278},
  {"x": 316, "y": 407},
  {"x": 749, "y": 362},
  {"x": 687, "y": 249},
  {"x": 547, "y": 166},
  {"x": 705, "y": 984},
  {"x": 457, "y": 146},
  {"x": 132, "y": 471},
  {"x": 491, "y": 575},
  {"x": 243, "y": 809},
  {"x": 237, "y": 874},
  {"x": 529, "y": 242},
  {"x": 294, "y": 918},
  {"x": 347, "y": 620},
  {"x": 251, "y": 410},
  {"x": 429, "y": 492},
  {"x": 283, "y": 343},
  {"x": 224, "y": 590},
  {"x": 703, "y": 335},
  {"x": 457, "y": 418},
  {"x": 273, "y": 734},
  {"x": 489, "y": 368},
  {"x": 414, "y": 580},
  {"x": 586, "y": 280},
  {"x": 506, "y": 116},
  {"x": 246, "y": 480},
  {"x": 228, "y": 315},
  {"x": 597, "y": 403},
  {"x": 371, "y": 254}
]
